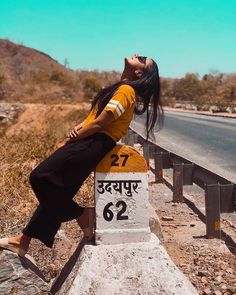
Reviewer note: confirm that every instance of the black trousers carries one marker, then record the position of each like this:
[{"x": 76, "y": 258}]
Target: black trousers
[{"x": 56, "y": 181}]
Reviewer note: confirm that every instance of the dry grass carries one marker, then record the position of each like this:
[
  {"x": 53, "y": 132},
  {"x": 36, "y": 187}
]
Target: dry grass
[
  {"x": 20, "y": 152},
  {"x": 19, "y": 155}
]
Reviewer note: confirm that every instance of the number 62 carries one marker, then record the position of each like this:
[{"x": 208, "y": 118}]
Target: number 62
[{"x": 108, "y": 214}]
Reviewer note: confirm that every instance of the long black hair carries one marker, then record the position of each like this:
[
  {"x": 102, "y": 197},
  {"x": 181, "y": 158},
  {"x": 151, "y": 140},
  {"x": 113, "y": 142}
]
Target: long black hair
[{"x": 147, "y": 89}]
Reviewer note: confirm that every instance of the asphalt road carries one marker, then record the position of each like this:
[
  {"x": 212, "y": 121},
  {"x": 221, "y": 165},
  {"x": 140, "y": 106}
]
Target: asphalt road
[{"x": 206, "y": 140}]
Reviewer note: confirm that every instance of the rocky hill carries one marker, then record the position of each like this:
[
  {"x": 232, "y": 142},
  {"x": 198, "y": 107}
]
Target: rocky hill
[
  {"x": 28, "y": 75},
  {"x": 19, "y": 63},
  {"x": 26, "y": 72}
]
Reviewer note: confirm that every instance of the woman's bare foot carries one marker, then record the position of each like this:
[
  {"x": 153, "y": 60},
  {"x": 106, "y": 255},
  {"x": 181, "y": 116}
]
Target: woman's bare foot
[
  {"x": 18, "y": 244},
  {"x": 86, "y": 222},
  {"x": 21, "y": 240}
]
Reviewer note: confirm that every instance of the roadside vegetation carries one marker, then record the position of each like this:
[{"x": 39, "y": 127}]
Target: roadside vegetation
[{"x": 215, "y": 92}]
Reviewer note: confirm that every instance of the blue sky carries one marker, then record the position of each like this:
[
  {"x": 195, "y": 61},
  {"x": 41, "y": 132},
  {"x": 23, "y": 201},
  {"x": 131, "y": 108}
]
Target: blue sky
[{"x": 181, "y": 35}]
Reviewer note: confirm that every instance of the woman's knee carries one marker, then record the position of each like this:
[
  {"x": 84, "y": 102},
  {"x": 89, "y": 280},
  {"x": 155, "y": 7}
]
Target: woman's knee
[{"x": 35, "y": 177}]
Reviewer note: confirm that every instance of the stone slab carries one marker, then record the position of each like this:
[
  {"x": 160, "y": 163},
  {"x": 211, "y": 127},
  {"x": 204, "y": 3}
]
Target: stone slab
[
  {"x": 134, "y": 268},
  {"x": 20, "y": 276}
]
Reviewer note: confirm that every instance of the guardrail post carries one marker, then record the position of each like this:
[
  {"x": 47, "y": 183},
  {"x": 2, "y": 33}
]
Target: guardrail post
[
  {"x": 182, "y": 175},
  {"x": 212, "y": 205},
  {"x": 188, "y": 173},
  {"x": 130, "y": 138},
  {"x": 124, "y": 139},
  {"x": 161, "y": 161},
  {"x": 234, "y": 197},
  {"x": 178, "y": 182},
  {"x": 146, "y": 152},
  {"x": 158, "y": 168},
  {"x": 140, "y": 139},
  {"x": 227, "y": 198},
  {"x": 134, "y": 137}
]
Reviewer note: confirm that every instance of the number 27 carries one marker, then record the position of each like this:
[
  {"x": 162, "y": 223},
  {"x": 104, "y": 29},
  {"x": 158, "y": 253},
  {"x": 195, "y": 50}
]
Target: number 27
[{"x": 116, "y": 159}]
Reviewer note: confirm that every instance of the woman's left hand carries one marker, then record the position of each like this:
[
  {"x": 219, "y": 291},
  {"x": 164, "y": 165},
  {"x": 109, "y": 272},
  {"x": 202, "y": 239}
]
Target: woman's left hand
[{"x": 62, "y": 143}]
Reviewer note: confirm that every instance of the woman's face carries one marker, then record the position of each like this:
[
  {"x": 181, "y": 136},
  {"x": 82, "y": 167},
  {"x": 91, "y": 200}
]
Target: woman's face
[{"x": 137, "y": 62}]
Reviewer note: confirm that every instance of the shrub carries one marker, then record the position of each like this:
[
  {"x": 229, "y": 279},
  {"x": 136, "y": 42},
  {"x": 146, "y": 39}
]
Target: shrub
[
  {"x": 187, "y": 88},
  {"x": 40, "y": 77},
  {"x": 61, "y": 78},
  {"x": 91, "y": 86}
]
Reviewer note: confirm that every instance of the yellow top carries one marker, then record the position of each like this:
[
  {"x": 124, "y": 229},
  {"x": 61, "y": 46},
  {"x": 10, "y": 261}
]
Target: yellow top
[
  {"x": 122, "y": 106},
  {"x": 122, "y": 158}
]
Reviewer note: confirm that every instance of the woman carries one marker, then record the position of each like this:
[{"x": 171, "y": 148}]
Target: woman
[{"x": 56, "y": 180}]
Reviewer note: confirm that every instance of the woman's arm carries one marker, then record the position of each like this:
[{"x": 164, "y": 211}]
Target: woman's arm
[
  {"x": 67, "y": 139},
  {"x": 103, "y": 120}
]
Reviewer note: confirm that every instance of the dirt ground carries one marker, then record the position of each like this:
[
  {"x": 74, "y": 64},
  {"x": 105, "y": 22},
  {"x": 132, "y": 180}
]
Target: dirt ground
[{"x": 210, "y": 264}]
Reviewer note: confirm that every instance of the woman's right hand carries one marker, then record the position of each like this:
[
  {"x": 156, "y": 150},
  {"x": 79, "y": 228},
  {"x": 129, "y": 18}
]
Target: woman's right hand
[
  {"x": 74, "y": 132},
  {"x": 71, "y": 136}
]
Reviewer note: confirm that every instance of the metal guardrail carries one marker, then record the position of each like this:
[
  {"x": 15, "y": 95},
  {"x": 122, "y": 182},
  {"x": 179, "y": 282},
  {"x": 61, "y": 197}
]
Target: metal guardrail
[{"x": 220, "y": 194}]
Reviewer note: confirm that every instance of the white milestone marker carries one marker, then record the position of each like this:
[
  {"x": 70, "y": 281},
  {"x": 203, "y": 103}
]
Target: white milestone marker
[{"x": 121, "y": 198}]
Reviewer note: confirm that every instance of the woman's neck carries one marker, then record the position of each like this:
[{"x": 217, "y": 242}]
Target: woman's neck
[{"x": 127, "y": 75}]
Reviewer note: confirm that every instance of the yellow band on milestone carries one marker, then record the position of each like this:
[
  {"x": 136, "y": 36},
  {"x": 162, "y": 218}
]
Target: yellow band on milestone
[{"x": 122, "y": 158}]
